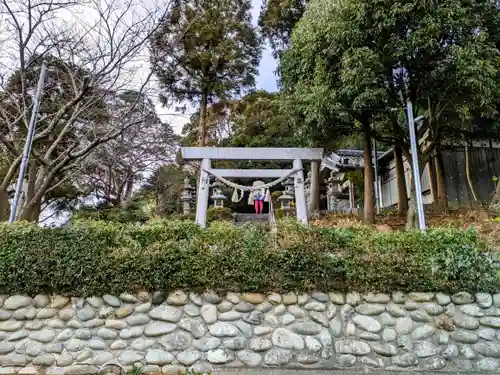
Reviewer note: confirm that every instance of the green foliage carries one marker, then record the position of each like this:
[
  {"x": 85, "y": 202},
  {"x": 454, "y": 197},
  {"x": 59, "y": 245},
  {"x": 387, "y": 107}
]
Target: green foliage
[
  {"x": 166, "y": 184},
  {"x": 133, "y": 213},
  {"x": 219, "y": 214},
  {"x": 98, "y": 257},
  {"x": 277, "y": 20},
  {"x": 356, "y": 61},
  {"x": 135, "y": 370},
  {"x": 280, "y": 214},
  {"x": 213, "y": 50}
]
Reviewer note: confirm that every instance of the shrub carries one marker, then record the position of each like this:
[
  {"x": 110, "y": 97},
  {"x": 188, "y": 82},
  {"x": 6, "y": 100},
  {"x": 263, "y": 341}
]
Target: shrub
[
  {"x": 219, "y": 214},
  {"x": 133, "y": 213},
  {"x": 96, "y": 258}
]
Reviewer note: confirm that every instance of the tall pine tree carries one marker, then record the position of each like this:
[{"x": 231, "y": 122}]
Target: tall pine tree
[{"x": 205, "y": 51}]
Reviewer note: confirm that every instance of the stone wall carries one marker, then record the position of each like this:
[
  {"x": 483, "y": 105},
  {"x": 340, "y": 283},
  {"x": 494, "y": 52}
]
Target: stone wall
[{"x": 174, "y": 333}]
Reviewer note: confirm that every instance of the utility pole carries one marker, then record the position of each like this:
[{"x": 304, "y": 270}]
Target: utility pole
[
  {"x": 376, "y": 182},
  {"x": 27, "y": 145},
  {"x": 416, "y": 170}
]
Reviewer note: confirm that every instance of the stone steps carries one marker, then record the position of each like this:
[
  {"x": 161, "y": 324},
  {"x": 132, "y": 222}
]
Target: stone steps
[{"x": 241, "y": 219}]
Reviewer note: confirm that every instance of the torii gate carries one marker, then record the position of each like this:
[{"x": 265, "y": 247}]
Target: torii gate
[{"x": 207, "y": 154}]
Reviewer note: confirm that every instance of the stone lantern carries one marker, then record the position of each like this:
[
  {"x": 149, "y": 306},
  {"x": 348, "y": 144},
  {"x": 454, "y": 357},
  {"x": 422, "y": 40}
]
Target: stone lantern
[
  {"x": 285, "y": 200},
  {"x": 307, "y": 188},
  {"x": 217, "y": 195},
  {"x": 333, "y": 190},
  {"x": 289, "y": 185},
  {"x": 187, "y": 197}
]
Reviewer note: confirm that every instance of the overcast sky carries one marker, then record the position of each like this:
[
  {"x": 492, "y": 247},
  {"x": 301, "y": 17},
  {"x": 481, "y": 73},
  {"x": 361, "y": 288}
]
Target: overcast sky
[{"x": 266, "y": 79}]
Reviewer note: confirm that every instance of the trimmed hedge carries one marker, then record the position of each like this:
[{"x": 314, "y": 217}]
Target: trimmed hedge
[{"x": 97, "y": 258}]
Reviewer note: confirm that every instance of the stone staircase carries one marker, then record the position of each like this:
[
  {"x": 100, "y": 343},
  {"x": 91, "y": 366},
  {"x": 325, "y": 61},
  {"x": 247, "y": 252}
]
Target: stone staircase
[{"x": 240, "y": 219}]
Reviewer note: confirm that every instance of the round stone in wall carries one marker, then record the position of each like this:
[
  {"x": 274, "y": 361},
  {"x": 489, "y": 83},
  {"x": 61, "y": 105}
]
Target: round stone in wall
[
  {"x": 188, "y": 357},
  {"x": 10, "y": 325},
  {"x": 435, "y": 363},
  {"x": 166, "y": 313},
  {"x": 107, "y": 334},
  {"x": 159, "y": 329},
  {"x": 158, "y": 298},
  {"x": 424, "y": 349},
  {"x": 236, "y": 343},
  {"x": 211, "y": 297},
  {"x": 352, "y": 347},
  {"x": 347, "y": 360},
  {"x": 286, "y": 339},
  {"x": 443, "y": 299},
  {"x": 129, "y": 357},
  {"x": 207, "y": 343},
  {"x": 274, "y": 298},
  {"x": 16, "y": 302},
  {"x": 488, "y": 349},
  {"x": 405, "y": 360},
  {"x": 177, "y": 298},
  {"x": 423, "y": 333},
  {"x": 253, "y": 298},
  {"x": 462, "y": 298},
  {"x": 222, "y": 329},
  {"x": 487, "y": 364},
  {"x": 337, "y": 298},
  {"x": 278, "y": 357},
  {"x": 111, "y": 300},
  {"x": 484, "y": 300},
  {"x": 219, "y": 356},
  {"x": 249, "y": 358},
  {"x": 261, "y": 345},
  {"x": 306, "y": 328},
  {"x": 404, "y": 326},
  {"x": 377, "y": 298},
  {"x": 466, "y": 322},
  {"x": 367, "y": 323},
  {"x": 45, "y": 335},
  {"x": 463, "y": 336},
  {"x": 370, "y": 309},
  {"x": 209, "y": 313}
]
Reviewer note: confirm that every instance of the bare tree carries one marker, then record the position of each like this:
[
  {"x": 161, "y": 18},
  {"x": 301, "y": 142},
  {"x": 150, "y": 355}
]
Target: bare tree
[
  {"x": 93, "y": 49},
  {"x": 116, "y": 167}
]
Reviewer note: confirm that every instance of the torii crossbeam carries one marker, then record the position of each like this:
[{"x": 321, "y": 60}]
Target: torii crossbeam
[{"x": 207, "y": 154}]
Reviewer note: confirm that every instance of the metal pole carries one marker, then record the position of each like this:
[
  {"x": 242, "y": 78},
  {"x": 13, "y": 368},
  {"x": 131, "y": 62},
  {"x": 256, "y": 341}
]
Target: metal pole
[
  {"x": 416, "y": 169},
  {"x": 375, "y": 167},
  {"x": 27, "y": 145}
]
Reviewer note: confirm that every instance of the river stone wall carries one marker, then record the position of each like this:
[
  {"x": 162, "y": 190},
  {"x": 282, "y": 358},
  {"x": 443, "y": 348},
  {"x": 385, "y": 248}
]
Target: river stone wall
[{"x": 179, "y": 332}]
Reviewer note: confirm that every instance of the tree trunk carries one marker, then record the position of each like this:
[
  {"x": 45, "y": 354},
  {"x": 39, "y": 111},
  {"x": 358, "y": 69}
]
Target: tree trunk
[
  {"x": 495, "y": 201},
  {"x": 401, "y": 182},
  {"x": 433, "y": 181},
  {"x": 201, "y": 124},
  {"x": 32, "y": 212},
  {"x": 369, "y": 203},
  {"x": 314, "y": 194},
  {"x": 128, "y": 196},
  {"x": 4, "y": 205},
  {"x": 469, "y": 177},
  {"x": 442, "y": 200},
  {"x": 411, "y": 215}
]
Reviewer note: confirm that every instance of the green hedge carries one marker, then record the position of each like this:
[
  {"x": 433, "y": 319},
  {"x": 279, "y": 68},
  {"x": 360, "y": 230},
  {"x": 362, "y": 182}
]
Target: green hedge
[{"x": 96, "y": 258}]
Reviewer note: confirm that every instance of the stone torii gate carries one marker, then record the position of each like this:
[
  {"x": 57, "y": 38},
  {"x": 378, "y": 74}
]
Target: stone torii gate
[{"x": 293, "y": 155}]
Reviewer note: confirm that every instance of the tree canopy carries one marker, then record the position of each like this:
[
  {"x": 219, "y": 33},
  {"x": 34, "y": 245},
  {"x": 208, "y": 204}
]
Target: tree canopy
[{"x": 205, "y": 51}]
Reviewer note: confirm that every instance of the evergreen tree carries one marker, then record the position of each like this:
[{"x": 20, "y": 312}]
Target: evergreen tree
[{"x": 205, "y": 51}]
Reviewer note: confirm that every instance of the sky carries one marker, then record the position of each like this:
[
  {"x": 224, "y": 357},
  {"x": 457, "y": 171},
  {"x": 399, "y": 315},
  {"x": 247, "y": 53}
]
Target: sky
[{"x": 265, "y": 80}]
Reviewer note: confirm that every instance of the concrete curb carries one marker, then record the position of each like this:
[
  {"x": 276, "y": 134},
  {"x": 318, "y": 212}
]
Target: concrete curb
[{"x": 354, "y": 371}]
